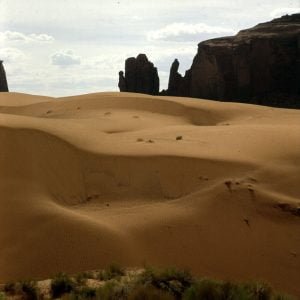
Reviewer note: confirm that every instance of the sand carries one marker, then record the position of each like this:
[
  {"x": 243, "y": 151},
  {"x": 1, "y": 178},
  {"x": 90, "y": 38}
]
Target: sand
[{"x": 141, "y": 180}]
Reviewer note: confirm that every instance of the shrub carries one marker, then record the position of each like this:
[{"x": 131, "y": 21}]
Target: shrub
[
  {"x": 112, "y": 290},
  {"x": 61, "y": 284},
  {"x": 171, "y": 280},
  {"x": 29, "y": 290},
  {"x": 113, "y": 271},
  {"x": 282, "y": 297},
  {"x": 149, "y": 293},
  {"x": 259, "y": 290},
  {"x": 204, "y": 289},
  {"x": 10, "y": 288},
  {"x": 2, "y": 296},
  {"x": 86, "y": 293},
  {"x": 81, "y": 278}
]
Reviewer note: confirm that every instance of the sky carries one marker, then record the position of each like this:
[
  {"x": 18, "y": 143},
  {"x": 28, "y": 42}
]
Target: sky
[{"x": 71, "y": 47}]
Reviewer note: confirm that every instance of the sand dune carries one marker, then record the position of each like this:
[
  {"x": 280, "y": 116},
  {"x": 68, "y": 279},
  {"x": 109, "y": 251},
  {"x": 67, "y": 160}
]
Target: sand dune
[{"x": 97, "y": 178}]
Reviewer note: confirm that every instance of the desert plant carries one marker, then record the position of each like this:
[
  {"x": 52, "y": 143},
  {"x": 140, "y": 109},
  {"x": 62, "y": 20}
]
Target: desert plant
[
  {"x": 112, "y": 272},
  {"x": 147, "y": 292},
  {"x": 61, "y": 284},
  {"x": 259, "y": 290},
  {"x": 171, "y": 280},
  {"x": 204, "y": 289},
  {"x": 29, "y": 290},
  {"x": 81, "y": 278},
  {"x": 10, "y": 288},
  {"x": 112, "y": 290},
  {"x": 85, "y": 293},
  {"x": 2, "y": 296}
]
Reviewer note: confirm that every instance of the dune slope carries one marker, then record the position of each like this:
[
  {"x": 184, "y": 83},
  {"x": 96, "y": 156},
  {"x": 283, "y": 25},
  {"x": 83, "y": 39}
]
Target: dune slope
[{"x": 135, "y": 179}]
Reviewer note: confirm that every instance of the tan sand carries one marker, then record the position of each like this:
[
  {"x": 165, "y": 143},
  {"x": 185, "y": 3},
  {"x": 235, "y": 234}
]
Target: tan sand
[{"x": 100, "y": 178}]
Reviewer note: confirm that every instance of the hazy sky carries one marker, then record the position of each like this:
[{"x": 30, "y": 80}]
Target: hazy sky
[{"x": 67, "y": 47}]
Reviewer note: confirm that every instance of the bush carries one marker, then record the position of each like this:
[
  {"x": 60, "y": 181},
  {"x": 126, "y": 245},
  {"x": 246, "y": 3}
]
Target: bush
[
  {"x": 29, "y": 290},
  {"x": 112, "y": 290},
  {"x": 61, "y": 284},
  {"x": 204, "y": 289},
  {"x": 149, "y": 293},
  {"x": 113, "y": 271},
  {"x": 86, "y": 293},
  {"x": 171, "y": 280},
  {"x": 81, "y": 278},
  {"x": 259, "y": 290},
  {"x": 10, "y": 288},
  {"x": 2, "y": 296}
]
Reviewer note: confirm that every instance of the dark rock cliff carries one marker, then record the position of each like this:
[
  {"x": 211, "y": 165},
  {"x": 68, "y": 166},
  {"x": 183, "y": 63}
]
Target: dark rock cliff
[
  {"x": 140, "y": 76},
  {"x": 259, "y": 65},
  {"x": 3, "y": 81}
]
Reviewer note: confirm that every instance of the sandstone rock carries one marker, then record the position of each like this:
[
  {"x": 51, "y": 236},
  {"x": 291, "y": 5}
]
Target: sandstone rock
[
  {"x": 122, "y": 82},
  {"x": 259, "y": 65},
  {"x": 3, "y": 80},
  {"x": 174, "y": 79},
  {"x": 140, "y": 76}
]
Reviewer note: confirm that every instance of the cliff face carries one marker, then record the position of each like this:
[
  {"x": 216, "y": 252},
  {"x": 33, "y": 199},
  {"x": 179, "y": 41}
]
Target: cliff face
[
  {"x": 140, "y": 76},
  {"x": 259, "y": 65},
  {"x": 3, "y": 81}
]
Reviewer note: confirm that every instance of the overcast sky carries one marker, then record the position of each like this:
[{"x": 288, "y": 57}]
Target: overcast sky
[{"x": 68, "y": 47}]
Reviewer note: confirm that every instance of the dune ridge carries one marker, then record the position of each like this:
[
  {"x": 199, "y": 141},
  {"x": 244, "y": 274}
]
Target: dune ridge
[{"x": 92, "y": 179}]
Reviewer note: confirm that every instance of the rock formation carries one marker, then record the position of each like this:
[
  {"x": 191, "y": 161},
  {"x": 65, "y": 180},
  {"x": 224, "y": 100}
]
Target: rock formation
[
  {"x": 174, "y": 79},
  {"x": 140, "y": 76},
  {"x": 3, "y": 81},
  {"x": 259, "y": 65},
  {"x": 122, "y": 82}
]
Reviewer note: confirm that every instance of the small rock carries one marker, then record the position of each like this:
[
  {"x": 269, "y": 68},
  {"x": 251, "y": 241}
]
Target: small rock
[{"x": 178, "y": 138}]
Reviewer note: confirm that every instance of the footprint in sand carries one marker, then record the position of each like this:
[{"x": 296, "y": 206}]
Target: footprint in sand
[
  {"x": 203, "y": 178},
  {"x": 228, "y": 184},
  {"x": 247, "y": 221}
]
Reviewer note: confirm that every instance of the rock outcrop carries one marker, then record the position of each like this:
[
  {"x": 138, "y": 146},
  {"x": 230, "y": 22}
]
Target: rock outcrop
[
  {"x": 259, "y": 65},
  {"x": 3, "y": 80},
  {"x": 140, "y": 76}
]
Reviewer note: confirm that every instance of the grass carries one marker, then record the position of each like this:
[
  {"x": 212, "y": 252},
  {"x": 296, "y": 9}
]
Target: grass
[{"x": 115, "y": 283}]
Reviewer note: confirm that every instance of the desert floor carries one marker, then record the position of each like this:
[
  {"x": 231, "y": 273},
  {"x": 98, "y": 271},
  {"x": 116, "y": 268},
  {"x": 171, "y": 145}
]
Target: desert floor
[{"x": 141, "y": 180}]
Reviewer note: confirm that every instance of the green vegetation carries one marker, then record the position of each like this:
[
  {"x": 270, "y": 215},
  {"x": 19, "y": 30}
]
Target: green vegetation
[
  {"x": 61, "y": 284},
  {"x": 113, "y": 271},
  {"x": 115, "y": 283},
  {"x": 171, "y": 280},
  {"x": 28, "y": 290}
]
